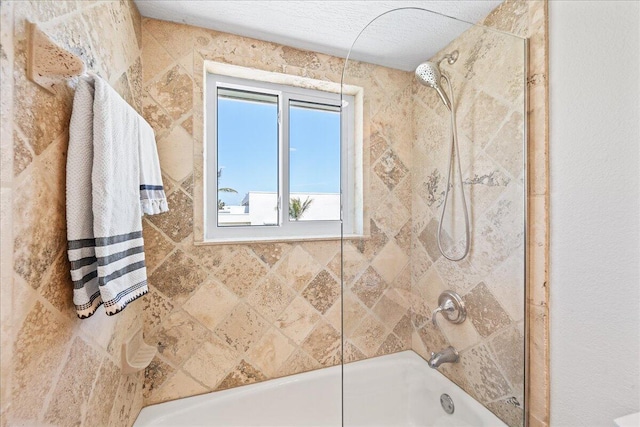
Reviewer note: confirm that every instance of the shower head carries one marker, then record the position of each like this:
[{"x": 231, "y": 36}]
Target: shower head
[{"x": 428, "y": 73}]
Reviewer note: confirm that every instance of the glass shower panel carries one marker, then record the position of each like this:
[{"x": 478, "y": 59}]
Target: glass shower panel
[{"x": 393, "y": 278}]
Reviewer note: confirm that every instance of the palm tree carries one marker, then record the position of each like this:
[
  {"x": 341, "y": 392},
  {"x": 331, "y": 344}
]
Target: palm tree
[
  {"x": 223, "y": 190},
  {"x": 297, "y": 208}
]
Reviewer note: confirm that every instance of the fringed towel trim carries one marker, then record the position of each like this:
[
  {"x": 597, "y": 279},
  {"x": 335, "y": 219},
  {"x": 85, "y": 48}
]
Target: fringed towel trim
[{"x": 120, "y": 302}]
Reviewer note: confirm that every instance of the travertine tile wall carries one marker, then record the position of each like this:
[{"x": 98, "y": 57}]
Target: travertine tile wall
[
  {"x": 488, "y": 82},
  {"x": 227, "y": 315},
  {"x": 57, "y": 369}
]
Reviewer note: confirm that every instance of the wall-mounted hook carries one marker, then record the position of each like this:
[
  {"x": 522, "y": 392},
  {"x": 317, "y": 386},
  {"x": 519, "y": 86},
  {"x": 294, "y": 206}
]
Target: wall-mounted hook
[{"x": 48, "y": 63}]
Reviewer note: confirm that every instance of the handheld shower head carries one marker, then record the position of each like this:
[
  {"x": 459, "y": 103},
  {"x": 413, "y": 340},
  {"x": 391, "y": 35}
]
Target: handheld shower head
[{"x": 428, "y": 73}]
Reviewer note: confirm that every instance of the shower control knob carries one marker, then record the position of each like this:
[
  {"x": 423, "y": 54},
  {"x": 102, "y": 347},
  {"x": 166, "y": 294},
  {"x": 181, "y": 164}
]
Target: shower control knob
[{"x": 452, "y": 308}]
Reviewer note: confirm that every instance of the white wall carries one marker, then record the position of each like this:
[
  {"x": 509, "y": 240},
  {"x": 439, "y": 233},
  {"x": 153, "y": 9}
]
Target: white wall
[{"x": 595, "y": 214}]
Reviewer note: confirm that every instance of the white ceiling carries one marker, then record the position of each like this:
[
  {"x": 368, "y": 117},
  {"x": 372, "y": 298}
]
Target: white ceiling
[{"x": 399, "y": 39}]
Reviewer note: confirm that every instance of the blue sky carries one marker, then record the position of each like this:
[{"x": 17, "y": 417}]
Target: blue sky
[{"x": 248, "y": 144}]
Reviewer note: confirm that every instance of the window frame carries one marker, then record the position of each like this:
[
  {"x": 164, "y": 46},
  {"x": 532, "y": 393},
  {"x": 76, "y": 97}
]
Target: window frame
[{"x": 286, "y": 229}]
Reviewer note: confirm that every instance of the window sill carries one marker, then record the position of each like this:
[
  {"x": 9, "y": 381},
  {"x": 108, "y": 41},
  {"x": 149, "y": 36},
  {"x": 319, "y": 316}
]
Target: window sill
[{"x": 292, "y": 239}]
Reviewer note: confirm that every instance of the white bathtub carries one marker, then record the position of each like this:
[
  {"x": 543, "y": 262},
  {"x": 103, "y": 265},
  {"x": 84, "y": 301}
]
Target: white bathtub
[{"x": 396, "y": 390}]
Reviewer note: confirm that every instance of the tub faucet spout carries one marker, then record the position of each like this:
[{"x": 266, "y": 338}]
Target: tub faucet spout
[{"x": 448, "y": 355}]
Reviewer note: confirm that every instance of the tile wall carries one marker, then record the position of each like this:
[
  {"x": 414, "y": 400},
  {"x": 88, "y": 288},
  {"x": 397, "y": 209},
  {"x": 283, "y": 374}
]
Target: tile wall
[
  {"x": 228, "y": 315},
  {"x": 57, "y": 369},
  {"x": 488, "y": 81}
]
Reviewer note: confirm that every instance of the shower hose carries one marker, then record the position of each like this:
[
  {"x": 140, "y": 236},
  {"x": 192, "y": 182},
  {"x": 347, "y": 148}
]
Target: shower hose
[{"x": 454, "y": 152}]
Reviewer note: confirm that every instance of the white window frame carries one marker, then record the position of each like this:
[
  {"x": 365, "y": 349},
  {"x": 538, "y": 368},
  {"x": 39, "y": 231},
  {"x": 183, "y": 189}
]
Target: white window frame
[{"x": 351, "y": 212}]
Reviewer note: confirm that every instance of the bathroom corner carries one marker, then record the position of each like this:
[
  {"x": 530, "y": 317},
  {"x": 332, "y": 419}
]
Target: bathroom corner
[{"x": 55, "y": 368}]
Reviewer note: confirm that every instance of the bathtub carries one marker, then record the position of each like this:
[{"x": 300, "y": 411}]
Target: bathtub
[{"x": 395, "y": 390}]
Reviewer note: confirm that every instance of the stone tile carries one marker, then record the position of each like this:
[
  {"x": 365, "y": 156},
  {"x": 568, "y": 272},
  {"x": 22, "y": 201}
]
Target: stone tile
[
  {"x": 298, "y": 362},
  {"x": 300, "y": 58},
  {"x": 484, "y": 311},
  {"x": 176, "y": 387},
  {"x": 403, "y": 330},
  {"x": 242, "y": 328},
  {"x": 507, "y": 148},
  {"x": 74, "y": 385},
  {"x": 349, "y": 264},
  {"x": 420, "y": 263},
  {"x": 157, "y": 117},
  {"x": 403, "y": 237},
  {"x": 40, "y": 346},
  {"x": 508, "y": 347},
  {"x": 485, "y": 181},
  {"x": 173, "y": 91},
  {"x": 123, "y": 88},
  {"x": 378, "y": 144},
  {"x": 211, "y": 362},
  {"x": 369, "y": 287},
  {"x": 38, "y": 216},
  {"x": 390, "y": 262},
  {"x": 22, "y": 154},
  {"x": 460, "y": 336},
  {"x": 187, "y": 124},
  {"x": 177, "y": 277},
  {"x": 428, "y": 238},
  {"x": 322, "y": 291},
  {"x": 432, "y": 338},
  {"x": 388, "y": 310},
  {"x": 101, "y": 402},
  {"x": 210, "y": 304},
  {"x": 270, "y": 253},
  {"x": 177, "y": 224},
  {"x": 270, "y": 297},
  {"x": 156, "y": 58},
  {"x": 370, "y": 246},
  {"x": 481, "y": 121},
  {"x": 177, "y": 337},
  {"x": 177, "y": 39},
  {"x": 322, "y": 343},
  {"x": 297, "y": 320},
  {"x": 485, "y": 380},
  {"x": 156, "y": 246},
  {"x": 297, "y": 268},
  {"x": 271, "y": 352},
  {"x": 506, "y": 284},
  {"x": 241, "y": 272},
  {"x": 508, "y": 412},
  {"x": 392, "y": 344},
  {"x": 352, "y": 353},
  {"x": 390, "y": 169},
  {"x": 243, "y": 374},
  {"x": 211, "y": 256},
  {"x": 187, "y": 185},
  {"x": 155, "y": 309},
  {"x": 57, "y": 287},
  {"x": 352, "y": 313},
  {"x": 128, "y": 401},
  {"x": 41, "y": 117},
  {"x": 175, "y": 151},
  {"x": 369, "y": 335},
  {"x": 390, "y": 214},
  {"x": 459, "y": 276},
  {"x": 155, "y": 375},
  {"x": 323, "y": 252}
]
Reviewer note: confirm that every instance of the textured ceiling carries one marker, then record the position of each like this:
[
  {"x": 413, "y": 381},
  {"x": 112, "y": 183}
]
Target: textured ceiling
[{"x": 400, "y": 39}]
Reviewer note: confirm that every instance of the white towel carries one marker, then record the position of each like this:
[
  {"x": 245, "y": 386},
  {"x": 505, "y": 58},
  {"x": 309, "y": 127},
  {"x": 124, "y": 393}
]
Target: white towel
[{"x": 106, "y": 248}]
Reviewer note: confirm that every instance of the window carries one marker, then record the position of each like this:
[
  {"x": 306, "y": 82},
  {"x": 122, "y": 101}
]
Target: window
[{"x": 276, "y": 160}]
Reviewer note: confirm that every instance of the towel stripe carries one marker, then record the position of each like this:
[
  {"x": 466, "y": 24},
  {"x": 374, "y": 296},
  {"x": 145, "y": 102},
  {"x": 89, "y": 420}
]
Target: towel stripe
[
  {"x": 83, "y": 262},
  {"x": 102, "y": 281},
  {"x": 104, "y": 261},
  {"x": 81, "y": 243},
  {"x": 106, "y": 241},
  {"x": 151, "y": 187},
  {"x": 79, "y": 284},
  {"x": 152, "y": 194}
]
